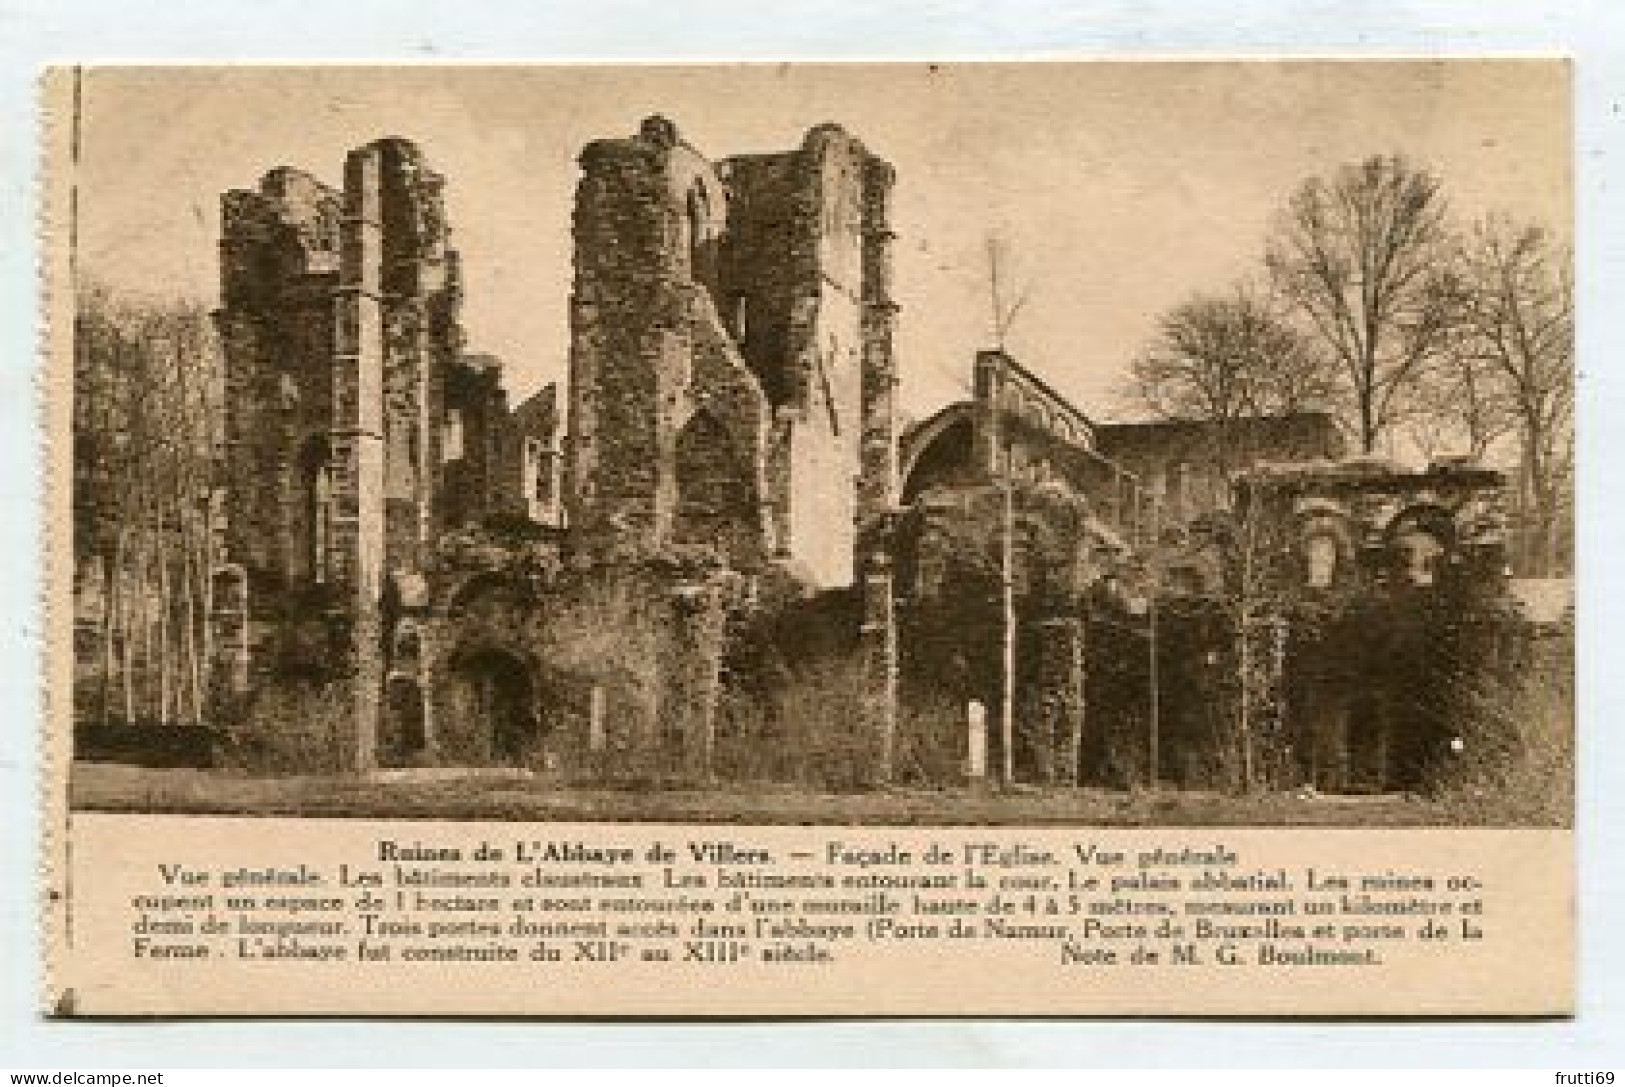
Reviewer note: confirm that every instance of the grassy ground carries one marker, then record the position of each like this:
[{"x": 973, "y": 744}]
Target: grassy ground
[{"x": 110, "y": 787}]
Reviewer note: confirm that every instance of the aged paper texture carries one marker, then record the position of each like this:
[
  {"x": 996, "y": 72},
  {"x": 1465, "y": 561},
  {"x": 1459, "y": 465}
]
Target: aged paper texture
[{"x": 964, "y": 539}]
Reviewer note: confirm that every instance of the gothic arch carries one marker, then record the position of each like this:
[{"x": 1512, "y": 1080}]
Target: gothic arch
[
  {"x": 1325, "y": 547},
  {"x": 477, "y": 592},
  {"x": 1418, "y": 540},
  {"x": 942, "y": 445},
  {"x": 316, "y": 491},
  {"x": 717, "y": 499}
]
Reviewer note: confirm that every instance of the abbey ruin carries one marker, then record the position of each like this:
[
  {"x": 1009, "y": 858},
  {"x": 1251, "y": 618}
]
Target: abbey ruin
[{"x": 631, "y": 575}]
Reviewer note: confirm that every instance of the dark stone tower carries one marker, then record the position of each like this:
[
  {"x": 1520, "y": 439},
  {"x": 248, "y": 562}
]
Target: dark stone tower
[
  {"x": 732, "y": 378},
  {"x": 344, "y": 385}
]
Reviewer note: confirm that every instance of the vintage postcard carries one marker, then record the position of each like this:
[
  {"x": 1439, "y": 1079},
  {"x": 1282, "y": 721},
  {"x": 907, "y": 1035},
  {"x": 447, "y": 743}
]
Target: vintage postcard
[{"x": 912, "y": 539}]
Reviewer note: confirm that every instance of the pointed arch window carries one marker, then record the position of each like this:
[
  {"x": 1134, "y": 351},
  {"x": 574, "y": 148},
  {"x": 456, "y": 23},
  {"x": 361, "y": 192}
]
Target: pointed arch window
[
  {"x": 1321, "y": 556},
  {"x": 318, "y": 480}
]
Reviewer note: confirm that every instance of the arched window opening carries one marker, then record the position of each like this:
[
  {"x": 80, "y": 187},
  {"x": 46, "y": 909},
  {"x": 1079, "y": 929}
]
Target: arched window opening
[
  {"x": 318, "y": 487},
  {"x": 1419, "y": 552},
  {"x": 702, "y": 241},
  {"x": 1321, "y": 559},
  {"x": 451, "y": 438},
  {"x": 1419, "y": 539},
  {"x": 715, "y": 495}
]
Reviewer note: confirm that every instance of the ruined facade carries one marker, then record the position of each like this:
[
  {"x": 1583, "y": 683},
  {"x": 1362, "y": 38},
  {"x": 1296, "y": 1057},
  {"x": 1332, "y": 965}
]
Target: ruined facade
[
  {"x": 452, "y": 579},
  {"x": 731, "y": 370},
  {"x": 392, "y": 528},
  {"x": 1272, "y": 579},
  {"x": 357, "y": 430},
  {"x": 1015, "y": 425},
  {"x": 539, "y": 458},
  {"x": 1397, "y": 578}
]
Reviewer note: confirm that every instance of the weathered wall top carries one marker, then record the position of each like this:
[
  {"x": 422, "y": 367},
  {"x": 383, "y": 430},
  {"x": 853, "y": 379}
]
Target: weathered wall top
[
  {"x": 274, "y": 235},
  {"x": 1005, "y": 385},
  {"x": 1364, "y": 514},
  {"x": 1304, "y": 435},
  {"x": 690, "y": 182}
]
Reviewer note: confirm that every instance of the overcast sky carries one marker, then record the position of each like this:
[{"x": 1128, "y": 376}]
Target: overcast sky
[{"x": 1117, "y": 188}]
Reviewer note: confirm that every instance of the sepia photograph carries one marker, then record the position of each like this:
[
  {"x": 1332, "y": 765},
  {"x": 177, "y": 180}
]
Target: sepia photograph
[
  {"x": 795, "y": 539},
  {"x": 1049, "y": 444}
]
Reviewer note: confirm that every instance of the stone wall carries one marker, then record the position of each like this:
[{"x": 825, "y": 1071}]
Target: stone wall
[
  {"x": 731, "y": 351},
  {"x": 1388, "y": 590},
  {"x": 1187, "y": 466},
  {"x": 429, "y": 577},
  {"x": 1360, "y": 524},
  {"x": 373, "y": 461},
  {"x": 279, "y": 258},
  {"x": 1290, "y": 589}
]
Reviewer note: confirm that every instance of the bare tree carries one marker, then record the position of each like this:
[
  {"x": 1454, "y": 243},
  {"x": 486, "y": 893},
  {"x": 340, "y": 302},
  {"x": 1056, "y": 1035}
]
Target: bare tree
[
  {"x": 1360, "y": 257},
  {"x": 1221, "y": 359},
  {"x": 1520, "y": 313},
  {"x": 1460, "y": 404},
  {"x": 146, "y": 391}
]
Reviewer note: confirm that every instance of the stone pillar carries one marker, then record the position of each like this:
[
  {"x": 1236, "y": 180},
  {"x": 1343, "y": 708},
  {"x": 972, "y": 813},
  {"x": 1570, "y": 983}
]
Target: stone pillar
[
  {"x": 1061, "y": 699},
  {"x": 975, "y": 744},
  {"x": 431, "y": 734},
  {"x": 412, "y": 660},
  {"x": 1263, "y": 702},
  {"x": 357, "y": 444},
  {"x": 877, "y": 640},
  {"x": 877, "y": 479},
  {"x": 693, "y": 679},
  {"x": 631, "y": 347},
  {"x": 597, "y": 737}
]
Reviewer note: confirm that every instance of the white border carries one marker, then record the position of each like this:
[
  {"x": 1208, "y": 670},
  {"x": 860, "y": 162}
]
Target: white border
[{"x": 36, "y": 32}]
